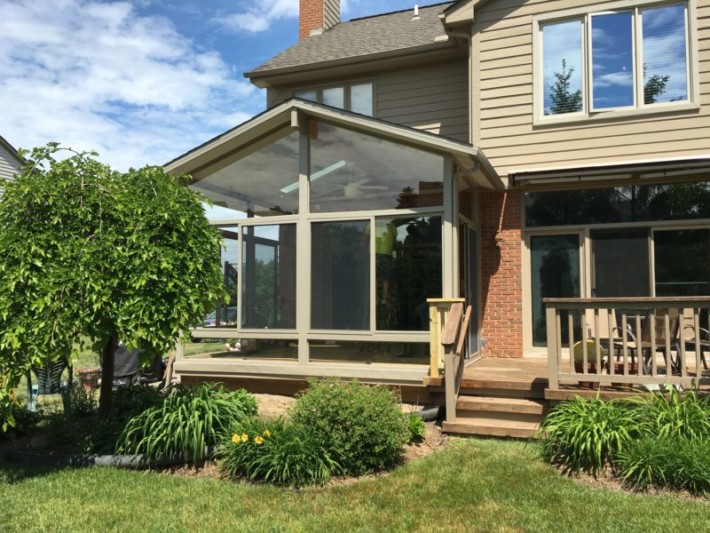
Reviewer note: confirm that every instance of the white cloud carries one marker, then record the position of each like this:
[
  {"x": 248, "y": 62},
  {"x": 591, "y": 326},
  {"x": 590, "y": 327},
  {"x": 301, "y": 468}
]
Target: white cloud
[
  {"x": 621, "y": 78},
  {"x": 259, "y": 15},
  {"x": 97, "y": 75}
]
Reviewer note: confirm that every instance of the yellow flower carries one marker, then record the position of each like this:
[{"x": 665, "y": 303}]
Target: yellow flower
[
  {"x": 245, "y": 437},
  {"x": 267, "y": 433},
  {"x": 235, "y": 439},
  {"x": 259, "y": 440}
]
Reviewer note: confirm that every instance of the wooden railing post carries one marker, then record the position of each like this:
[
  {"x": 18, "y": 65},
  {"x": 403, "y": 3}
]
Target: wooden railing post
[
  {"x": 438, "y": 313},
  {"x": 553, "y": 354}
]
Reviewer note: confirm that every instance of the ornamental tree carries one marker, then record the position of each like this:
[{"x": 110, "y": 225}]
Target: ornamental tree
[{"x": 90, "y": 253}]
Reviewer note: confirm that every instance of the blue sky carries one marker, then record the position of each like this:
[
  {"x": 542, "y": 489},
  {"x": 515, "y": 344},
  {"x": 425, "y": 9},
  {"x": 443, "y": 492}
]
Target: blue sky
[{"x": 140, "y": 81}]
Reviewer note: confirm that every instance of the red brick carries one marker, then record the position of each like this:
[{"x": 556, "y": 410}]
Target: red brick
[{"x": 501, "y": 273}]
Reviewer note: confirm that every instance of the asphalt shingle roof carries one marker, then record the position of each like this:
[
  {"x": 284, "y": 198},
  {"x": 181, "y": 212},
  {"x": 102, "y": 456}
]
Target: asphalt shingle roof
[{"x": 362, "y": 37}]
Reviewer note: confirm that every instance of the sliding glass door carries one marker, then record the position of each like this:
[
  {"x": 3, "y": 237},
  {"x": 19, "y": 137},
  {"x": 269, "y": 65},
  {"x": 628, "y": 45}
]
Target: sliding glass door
[{"x": 555, "y": 269}]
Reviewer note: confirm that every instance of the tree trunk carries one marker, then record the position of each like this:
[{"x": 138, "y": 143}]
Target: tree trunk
[{"x": 108, "y": 357}]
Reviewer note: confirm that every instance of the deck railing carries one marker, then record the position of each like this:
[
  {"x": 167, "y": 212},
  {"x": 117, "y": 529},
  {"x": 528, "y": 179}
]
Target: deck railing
[
  {"x": 439, "y": 309},
  {"x": 453, "y": 339},
  {"x": 628, "y": 341}
]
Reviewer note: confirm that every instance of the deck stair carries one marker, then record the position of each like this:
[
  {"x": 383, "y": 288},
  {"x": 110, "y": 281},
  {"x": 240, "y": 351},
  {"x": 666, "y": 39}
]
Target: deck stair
[
  {"x": 497, "y": 413},
  {"x": 500, "y": 399}
]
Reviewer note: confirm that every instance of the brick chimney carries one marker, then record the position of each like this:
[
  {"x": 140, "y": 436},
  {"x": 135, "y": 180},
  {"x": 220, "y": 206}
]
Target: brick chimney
[{"x": 317, "y": 16}]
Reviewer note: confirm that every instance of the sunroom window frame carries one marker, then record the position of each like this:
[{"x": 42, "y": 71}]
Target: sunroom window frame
[
  {"x": 303, "y": 332},
  {"x": 639, "y": 108}
]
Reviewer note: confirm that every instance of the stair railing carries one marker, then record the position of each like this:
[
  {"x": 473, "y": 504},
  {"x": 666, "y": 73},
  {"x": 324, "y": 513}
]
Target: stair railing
[{"x": 453, "y": 339}]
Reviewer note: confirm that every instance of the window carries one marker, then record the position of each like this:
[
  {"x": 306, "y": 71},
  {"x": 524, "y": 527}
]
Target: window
[
  {"x": 355, "y": 97},
  {"x": 340, "y": 273},
  {"x": 614, "y": 60},
  {"x": 634, "y": 241}
]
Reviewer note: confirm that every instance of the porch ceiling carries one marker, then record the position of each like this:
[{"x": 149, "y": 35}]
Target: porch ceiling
[{"x": 280, "y": 120}]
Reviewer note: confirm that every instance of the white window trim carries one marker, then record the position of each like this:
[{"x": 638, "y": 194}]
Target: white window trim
[{"x": 639, "y": 109}]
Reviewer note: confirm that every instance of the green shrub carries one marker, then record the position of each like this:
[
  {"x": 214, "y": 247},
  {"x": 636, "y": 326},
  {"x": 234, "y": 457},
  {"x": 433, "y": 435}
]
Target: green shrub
[
  {"x": 132, "y": 400},
  {"x": 673, "y": 462},
  {"x": 585, "y": 434},
  {"x": 361, "y": 426},
  {"x": 188, "y": 421},
  {"x": 676, "y": 415},
  {"x": 276, "y": 452},
  {"x": 24, "y": 422},
  {"x": 78, "y": 402},
  {"x": 417, "y": 429}
]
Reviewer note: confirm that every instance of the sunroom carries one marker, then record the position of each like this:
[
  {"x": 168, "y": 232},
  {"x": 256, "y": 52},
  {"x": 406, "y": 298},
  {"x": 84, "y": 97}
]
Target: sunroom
[{"x": 337, "y": 230}]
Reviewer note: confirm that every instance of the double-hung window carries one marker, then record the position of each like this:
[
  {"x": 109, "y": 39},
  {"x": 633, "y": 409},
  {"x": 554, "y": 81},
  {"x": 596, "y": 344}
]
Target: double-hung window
[{"x": 597, "y": 62}]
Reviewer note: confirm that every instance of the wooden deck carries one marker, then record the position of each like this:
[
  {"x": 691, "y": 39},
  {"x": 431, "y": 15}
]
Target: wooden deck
[
  {"x": 530, "y": 374},
  {"x": 509, "y": 397}
]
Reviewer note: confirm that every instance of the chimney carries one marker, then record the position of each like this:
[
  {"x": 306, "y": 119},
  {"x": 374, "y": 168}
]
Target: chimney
[{"x": 317, "y": 16}]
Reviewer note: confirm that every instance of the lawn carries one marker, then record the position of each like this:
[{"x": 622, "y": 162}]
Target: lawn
[{"x": 473, "y": 485}]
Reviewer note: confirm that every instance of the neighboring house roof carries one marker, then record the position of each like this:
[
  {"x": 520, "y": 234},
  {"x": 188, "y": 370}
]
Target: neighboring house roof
[
  {"x": 237, "y": 142},
  {"x": 357, "y": 39},
  {"x": 10, "y": 149}
]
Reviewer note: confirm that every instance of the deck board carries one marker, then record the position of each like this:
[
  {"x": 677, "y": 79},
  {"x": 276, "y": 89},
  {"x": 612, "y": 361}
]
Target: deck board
[{"x": 529, "y": 373}]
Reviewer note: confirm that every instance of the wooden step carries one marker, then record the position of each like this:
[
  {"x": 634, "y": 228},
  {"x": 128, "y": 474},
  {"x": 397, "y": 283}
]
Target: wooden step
[
  {"x": 469, "y": 427},
  {"x": 500, "y": 419},
  {"x": 500, "y": 405},
  {"x": 516, "y": 390}
]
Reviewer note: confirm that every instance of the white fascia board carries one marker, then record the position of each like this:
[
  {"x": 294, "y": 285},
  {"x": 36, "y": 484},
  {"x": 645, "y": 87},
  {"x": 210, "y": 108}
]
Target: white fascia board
[{"x": 280, "y": 117}]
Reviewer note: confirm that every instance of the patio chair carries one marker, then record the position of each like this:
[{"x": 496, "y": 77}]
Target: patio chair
[
  {"x": 655, "y": 325},
  {"x": 689, "y": 337},
  {"x": 48, "y": 381},
  {"x": 610, "y": 335}
]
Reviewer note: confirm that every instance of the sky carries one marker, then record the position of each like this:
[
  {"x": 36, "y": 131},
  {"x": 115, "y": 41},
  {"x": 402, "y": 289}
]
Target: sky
[{"x": 142, "y": 81}]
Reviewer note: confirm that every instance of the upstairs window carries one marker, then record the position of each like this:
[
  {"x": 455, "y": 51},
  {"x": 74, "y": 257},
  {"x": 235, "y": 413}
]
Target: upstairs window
[
  {"x": 355, "y": 97},
  {"x": 614, "y": 60}
]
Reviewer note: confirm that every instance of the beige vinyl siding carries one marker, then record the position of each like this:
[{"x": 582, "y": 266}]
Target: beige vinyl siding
[
  {"x": 331, "y": 14},
  {"x": 503, "y": 101},
  {"x": 431, "y": 97},
  {"x": 9, "y": 165}
]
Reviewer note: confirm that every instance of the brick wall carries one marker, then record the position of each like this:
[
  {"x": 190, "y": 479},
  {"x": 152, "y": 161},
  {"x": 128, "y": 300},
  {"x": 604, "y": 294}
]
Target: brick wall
[{"x": 501, "y": 273}]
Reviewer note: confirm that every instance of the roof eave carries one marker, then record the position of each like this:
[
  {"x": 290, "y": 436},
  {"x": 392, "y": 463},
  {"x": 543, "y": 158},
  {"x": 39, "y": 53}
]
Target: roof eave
[
  {"x": 11, "y": 149},
  {"x": 260, "y": 77}
]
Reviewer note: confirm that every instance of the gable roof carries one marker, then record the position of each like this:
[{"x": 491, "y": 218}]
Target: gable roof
[
  {"x": 361, "y": 39},
  {"x": 10, "y": 149},
  {"x": 266, "y": 127}
]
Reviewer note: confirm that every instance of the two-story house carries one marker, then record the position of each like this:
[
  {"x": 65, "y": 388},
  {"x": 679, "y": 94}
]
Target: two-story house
[{"x": 497, "y": 151}]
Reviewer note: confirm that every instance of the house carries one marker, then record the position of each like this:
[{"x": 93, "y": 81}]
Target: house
[
  {"x": 502, "y": 153},
  {"x": 10, "y": 161}
]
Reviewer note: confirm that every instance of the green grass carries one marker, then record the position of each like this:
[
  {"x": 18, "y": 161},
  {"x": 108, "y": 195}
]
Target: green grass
[{"x": 474, "y": 485}]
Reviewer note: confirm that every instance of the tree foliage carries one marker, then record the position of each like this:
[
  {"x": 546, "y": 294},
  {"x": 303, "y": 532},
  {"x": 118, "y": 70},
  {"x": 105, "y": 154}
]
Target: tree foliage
[
  {"x": 90, "y": 253},
  {"x": 564, "y": 101},
  {"x": 654, "y": 86}
]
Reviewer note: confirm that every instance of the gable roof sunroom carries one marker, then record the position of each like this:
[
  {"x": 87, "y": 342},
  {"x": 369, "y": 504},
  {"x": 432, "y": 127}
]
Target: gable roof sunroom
[{"x": 275, "y": 124}]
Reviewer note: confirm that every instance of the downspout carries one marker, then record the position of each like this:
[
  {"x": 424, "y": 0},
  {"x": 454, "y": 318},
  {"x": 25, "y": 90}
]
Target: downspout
[{"x": 468, "y": 38}]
